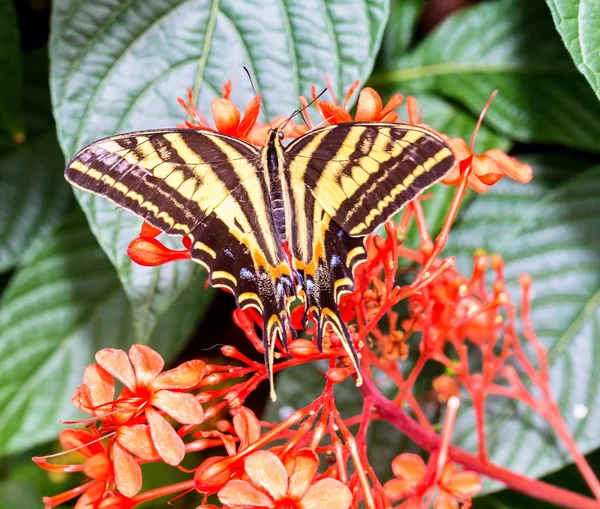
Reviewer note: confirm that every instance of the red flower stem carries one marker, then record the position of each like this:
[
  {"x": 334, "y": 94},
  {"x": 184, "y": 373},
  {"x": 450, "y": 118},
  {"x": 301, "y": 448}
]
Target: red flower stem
[
  {"x": 412, "y": 378},
  {"x": 447, "y": 430},
  {"x": 164, "y": 491},
  {"x": 430, "y": 441}
]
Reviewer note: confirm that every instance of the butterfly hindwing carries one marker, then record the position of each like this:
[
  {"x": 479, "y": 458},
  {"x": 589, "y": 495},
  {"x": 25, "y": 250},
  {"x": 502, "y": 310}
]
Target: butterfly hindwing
[
  {"x": 344, "y": 181},
  {"x": 361, "y": 173}
]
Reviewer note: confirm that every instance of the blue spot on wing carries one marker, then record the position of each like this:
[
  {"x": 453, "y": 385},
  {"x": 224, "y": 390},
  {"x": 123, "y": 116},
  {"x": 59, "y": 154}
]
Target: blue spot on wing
[
  {"x": 335, "y": 261},
  {"x": 228, "y": 252},
  {"x": 246, "y": 273}
]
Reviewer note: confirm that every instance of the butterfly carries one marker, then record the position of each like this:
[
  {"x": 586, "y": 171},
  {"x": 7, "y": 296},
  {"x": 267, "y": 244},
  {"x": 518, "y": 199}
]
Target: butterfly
[{"x": 276, "y": 223}]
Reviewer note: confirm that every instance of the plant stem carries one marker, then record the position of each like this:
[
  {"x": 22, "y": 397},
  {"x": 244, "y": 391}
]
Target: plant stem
[{"x": 431, "y": 441}]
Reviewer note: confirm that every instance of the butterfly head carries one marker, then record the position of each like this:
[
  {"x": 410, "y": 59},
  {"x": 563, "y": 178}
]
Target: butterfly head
[{"x": 275, "y": 137}]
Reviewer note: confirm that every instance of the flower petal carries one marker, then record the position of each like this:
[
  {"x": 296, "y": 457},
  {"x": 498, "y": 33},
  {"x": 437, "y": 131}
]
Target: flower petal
[
  {"x": 117, "y": 364},
  {"x": 100, "y": 384},
  {"x": 369, "y": 106},
  {"x": 75, "y": 438},
  {"x": 182, "y": 407},
  {"x": 250, "y": 115},
  {"x": 397, "y": 489},
  {"x": 409, "y": 467},
  {"x": 97, "y": 467},
  {"x": 91, "y": 496},
  {"x": 226, "y": 116},
  {"x": 247, "y": 427},
  {"x": 138, "y": 441},
  {"x": 465, "y": 483},
  {"x": 146, "y": 362},
  {"x": 148, "y": 230},
  {"x": 329, "y": 493},
  {"x": 333, "y": 114},
  {"x": 510, "y": 166},
  {"x": 184, "y": 376},
  {"x": 243, "y": 494},
  {"x": 304, "y": 466},
  {"x": 445, "y": 501},
  {"x": 388, "y": 113},
  {"x": 266, "y": 471},
  {"x": 169, "y": 445},
  {"x": 411, "y": 503},
  {"x": 128, "y": 475}
]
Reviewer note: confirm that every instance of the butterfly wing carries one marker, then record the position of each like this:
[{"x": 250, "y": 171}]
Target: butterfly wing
[
  {"x": 343, "y": 182},
  {"x": 210, "y": 187},
  {"x": 362, "y": 173}
]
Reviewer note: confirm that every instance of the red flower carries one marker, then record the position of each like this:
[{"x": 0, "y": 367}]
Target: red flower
[
  {"x": 229, "y": 120},
  {"x": 135, "y": 417},
  {"x": 273, "y": 485},
  {"x": 146, "y": 250},
  {"x": 488, "y": 168},
  {"x": 96, "y": 466},
  {"x": 410, "y": 472},
  {"x": 369, "y": 107}
]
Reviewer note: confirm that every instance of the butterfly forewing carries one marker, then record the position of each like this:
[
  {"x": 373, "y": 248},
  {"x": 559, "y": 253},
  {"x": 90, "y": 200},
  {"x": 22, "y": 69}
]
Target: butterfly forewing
[{"x": 361, "y": 173}]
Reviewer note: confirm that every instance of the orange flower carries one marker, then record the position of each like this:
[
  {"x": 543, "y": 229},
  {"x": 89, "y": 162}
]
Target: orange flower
[
  {"x": 455, "y": 487},
  {"x": 273, "y": 485},
  {"x": 229, "y": 120},
  {"x": 487, "y": 169},
  {"x": 369, "y": 107},
  {"x": 227, "y": 117},
  {"x": 96, "y": 467},
  {"x": 135, "y": 417}
]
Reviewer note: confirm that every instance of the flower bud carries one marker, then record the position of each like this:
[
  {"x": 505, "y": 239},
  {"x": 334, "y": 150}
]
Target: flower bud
[
  {"x": 213, "y": 474},
  {"x": 303, "y": 349}
]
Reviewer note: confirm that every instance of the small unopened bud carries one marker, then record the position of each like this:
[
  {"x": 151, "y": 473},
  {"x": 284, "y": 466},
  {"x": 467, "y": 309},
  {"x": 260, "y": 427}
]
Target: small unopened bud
[
  {"x": 337, "y": 375},
  {"x": 525, "y": 281},
  {"x": 497, "y": 262},
  {"x": 213, "y": 474},
  {"x": 229, "y": 351},
  {"x": 303, "y": 349}
]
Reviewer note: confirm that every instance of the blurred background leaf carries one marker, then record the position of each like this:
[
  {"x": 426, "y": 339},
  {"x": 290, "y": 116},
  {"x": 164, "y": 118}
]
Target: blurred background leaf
[
  {"x": 11, "y": 84},
  {"x": 34, "y": 196},
  {"x": 511, "y": 46},
  {"x": 57, "y": 311},
  {"x": 578, "y": 23}
]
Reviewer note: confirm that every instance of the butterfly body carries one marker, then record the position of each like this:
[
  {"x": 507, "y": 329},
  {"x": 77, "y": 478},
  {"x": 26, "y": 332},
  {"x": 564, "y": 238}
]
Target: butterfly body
[{"x": 320, "y": 196}]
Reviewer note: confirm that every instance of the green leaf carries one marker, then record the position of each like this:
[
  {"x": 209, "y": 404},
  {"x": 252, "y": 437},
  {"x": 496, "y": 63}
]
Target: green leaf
[
  {"x": 548, "y": 230},
  {"x": 34, "y": 196},
  {"x": 399, "y": 32},
  {"x": 58, "y": 310},
  {"x": 578, "y": 23},
  {"x": 511, "y": 46},
  {"x": 11, "y": 84},
  {"x": 120, "y": 66}
]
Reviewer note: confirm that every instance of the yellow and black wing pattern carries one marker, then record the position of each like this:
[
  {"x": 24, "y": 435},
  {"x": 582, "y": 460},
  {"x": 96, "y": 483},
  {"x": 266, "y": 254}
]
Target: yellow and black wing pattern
[
  {"x": 344, "y": 181},
  {"x": 210, "y": 187},
  {"x": 330, "y": 187}
]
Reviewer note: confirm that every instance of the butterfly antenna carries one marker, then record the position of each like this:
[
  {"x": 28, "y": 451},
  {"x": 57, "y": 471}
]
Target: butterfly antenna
[
  {"x": 256, "y": 94},
  {"x": 299, "y": 112}
]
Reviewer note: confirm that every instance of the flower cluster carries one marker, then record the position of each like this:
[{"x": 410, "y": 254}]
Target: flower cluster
[{"x": 316, "y": 456}]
